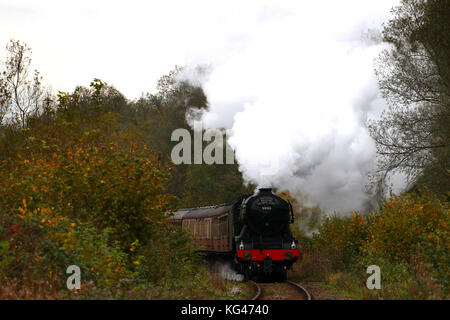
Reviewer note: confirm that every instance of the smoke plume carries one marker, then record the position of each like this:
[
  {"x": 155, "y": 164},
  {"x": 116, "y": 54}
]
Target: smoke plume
[{"x": 295, "y": 82}]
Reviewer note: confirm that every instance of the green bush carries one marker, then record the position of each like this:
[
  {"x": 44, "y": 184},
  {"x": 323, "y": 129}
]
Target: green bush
[
  {"x": 79, "y": 188},
  {"x": 342, "y": 239},
  {"x": 407, "y": 238}
]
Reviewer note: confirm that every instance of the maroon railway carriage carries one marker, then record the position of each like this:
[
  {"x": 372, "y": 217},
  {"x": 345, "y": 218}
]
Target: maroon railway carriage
[{"x": 210, "y": 227}]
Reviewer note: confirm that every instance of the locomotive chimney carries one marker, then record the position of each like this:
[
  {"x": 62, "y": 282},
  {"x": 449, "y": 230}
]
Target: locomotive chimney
[{"x": 265, "y": 190}]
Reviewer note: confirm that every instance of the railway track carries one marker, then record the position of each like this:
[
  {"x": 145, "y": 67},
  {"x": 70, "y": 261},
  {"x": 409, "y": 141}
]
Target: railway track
[{"x": 286, "y": 290}]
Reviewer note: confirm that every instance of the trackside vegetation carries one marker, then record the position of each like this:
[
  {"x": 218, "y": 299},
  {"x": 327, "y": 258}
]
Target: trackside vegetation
[
  {"x": 407, "y": 238},
  {"x": 81, "y": 185}
]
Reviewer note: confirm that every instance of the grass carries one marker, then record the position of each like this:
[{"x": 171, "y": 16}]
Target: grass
[{"x": 206, "y": 285}]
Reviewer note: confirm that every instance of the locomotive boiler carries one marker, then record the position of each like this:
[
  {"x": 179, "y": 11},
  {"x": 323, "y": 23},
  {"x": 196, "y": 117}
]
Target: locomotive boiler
[{"x": 254, "y": 231}]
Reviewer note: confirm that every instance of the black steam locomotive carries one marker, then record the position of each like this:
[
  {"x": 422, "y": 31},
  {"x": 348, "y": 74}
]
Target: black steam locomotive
[
  {"x": 265, "y": 245},
  {"x": 254, "y": 230}
]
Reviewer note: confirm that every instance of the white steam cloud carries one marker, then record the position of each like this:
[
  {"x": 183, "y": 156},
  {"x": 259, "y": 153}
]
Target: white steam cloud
[{"x": 295, "y": 82}]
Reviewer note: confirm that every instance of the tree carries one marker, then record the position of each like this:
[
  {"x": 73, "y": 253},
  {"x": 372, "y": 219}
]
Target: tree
[
  {"x": 20, "y": 92},
  {"x": 413, "y": 135},
  {"x": 5, "y": 97},
  {"x": 158, "y": 116}
]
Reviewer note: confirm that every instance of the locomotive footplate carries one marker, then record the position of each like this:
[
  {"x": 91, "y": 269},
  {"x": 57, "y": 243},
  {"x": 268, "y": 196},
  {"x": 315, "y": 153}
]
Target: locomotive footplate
[{"x": 276, "y": 255}]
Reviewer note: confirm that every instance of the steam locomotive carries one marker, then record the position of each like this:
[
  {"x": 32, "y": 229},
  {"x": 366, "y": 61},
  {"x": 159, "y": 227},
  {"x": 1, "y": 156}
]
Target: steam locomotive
[{"x": 254, "y": 230}]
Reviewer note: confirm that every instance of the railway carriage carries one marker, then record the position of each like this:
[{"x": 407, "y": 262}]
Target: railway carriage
[
  {"x": 210, "y": 227},
  {"x": 254, "y": 230}
]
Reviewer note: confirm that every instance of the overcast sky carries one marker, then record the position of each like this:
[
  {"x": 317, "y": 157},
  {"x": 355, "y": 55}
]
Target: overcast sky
[{"x": 129, "y": 44}]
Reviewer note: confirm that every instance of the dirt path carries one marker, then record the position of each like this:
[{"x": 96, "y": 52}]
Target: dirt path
[
  {"x": 280, "y": 291},
  {"x": 319, "y": 292}
]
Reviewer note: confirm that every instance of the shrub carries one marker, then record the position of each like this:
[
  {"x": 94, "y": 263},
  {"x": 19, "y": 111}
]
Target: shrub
[
  {"x": 407, "y": 238},
  {"x": 408, "y": 227},
  {"x": 45, "y": 244},
  {"x": 81, "y": 189},
  {"x": 90, "y": 177},
  {"x": 341, "y": 238}
]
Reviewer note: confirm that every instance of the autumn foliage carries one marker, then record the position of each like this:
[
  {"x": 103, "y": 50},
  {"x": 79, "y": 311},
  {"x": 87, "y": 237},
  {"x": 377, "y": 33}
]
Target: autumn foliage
[
  {"x": 79, "y": 187},
  {"x": 407, "y": 238}
]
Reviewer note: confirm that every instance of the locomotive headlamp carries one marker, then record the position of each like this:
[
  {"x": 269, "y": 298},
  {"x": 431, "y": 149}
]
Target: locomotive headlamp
[
  {"x": 241, "y": 246},
  {"x": 247, "y": 255},
  {"x": 293, "y": 245},
  {"x": 288, "y": 255}
]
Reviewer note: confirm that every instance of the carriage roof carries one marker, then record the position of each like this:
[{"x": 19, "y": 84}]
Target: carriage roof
[{"x": 202, "y": 212}]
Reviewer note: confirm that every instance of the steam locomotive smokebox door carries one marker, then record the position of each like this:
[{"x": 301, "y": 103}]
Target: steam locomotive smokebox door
[
  {"x": 267, "y": 214},
  {"x": 267, "y": 265}
]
